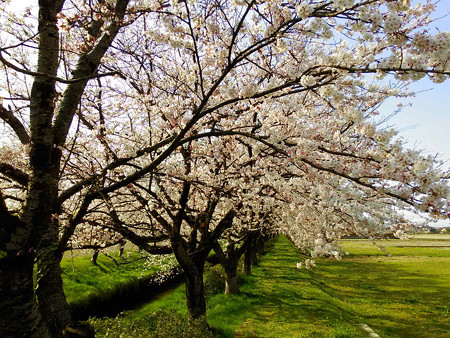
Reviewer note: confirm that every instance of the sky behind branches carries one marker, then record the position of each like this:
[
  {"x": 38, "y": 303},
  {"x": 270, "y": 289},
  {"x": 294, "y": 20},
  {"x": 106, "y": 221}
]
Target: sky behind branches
[{"x": 426, "y": 123}]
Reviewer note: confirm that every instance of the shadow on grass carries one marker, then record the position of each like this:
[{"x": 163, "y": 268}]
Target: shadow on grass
[
  {"x": 391, "y": 298},
  {"x": 397, "y": 298}
]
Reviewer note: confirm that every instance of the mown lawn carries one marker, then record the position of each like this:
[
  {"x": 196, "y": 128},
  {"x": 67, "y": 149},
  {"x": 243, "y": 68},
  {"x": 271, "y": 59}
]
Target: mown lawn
[{"x": 405, "y": 295}]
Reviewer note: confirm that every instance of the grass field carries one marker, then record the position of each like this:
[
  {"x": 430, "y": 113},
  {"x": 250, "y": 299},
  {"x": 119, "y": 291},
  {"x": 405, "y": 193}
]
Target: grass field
[{"x": 405, "y": 295}]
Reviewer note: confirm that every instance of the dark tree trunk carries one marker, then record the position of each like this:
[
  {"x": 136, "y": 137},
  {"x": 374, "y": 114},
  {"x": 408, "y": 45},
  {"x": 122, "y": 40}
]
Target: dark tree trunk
[
  {"x": 192, "y": 263},
  {"x": 193, "y": 267},
  {"x": 50, "y": 292},
  {"x": 260, "y": 243},
  {"x": 121, "y": 249},
  {"x": 195, "y": 294},
  {"x": 231, "y": 277},
  {"x": 51, "y": 297},
  {"x": 229, "y": 261},
  {"x": 17, "y": 282},
  {"x": 19, "y": 313},
  {"x": 255, "y": 247},
  {"x": 247, "y": 261},
  {"x": 94, "y": 257},
  {"x": 254, "y": 253}
]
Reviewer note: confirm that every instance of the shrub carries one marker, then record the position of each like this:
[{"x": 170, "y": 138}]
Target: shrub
[{"x": 214, "y": 280}]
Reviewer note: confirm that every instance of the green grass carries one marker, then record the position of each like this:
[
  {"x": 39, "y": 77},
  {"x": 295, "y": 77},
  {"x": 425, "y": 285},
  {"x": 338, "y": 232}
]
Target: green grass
[
  {"x": 176, "y": 299},
  {"x": 83, "y": 280},
  {"x": 406, "y": 295},
  {"x": 279, "y": 300},
  {"x": 414, "y": 247}
]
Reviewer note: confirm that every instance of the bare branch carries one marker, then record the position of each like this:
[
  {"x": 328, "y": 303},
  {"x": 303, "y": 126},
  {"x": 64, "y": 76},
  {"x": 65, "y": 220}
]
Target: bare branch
[
  {"x": 7, "y": 116},
  {"x": 51, "y": 77},
  {"x": 14, "y": 174},
  {"x": 86, "y": 68}
]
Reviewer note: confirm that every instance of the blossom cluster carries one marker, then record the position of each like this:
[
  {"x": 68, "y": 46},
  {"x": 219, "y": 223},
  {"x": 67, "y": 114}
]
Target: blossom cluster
[{"x": 265, "y": 111}]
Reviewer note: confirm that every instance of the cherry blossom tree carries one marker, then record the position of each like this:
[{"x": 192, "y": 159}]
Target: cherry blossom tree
[
  {"x": 295, "y": 82},
  {"x": 41, "y": 123}
]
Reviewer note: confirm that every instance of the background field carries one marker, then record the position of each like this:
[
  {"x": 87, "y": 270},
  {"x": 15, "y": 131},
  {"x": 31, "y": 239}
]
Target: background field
[{"x": 405, "y": 295}]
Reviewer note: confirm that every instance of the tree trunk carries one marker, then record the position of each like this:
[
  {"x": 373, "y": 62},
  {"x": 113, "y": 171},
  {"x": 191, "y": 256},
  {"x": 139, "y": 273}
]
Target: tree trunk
[
  {"x": 248, "y": 260},
  {"x": 260, "y": 243},
  {"x": 52, "y": 300},
  {"x": 230, "y": 260},
  {"x": 231, "y": 280},
  {"x": 195, "y": 295},
  {"x": 121, "y": 249},
  {"x": 94, "y": 257},
  {"x": 252, "y": 252},
  {"x": 193, "y": 266},
  {"x": 19, "y": 313}
]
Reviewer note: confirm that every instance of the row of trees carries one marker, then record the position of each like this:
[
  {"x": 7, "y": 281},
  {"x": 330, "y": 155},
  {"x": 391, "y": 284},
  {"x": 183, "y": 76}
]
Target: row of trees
[{"x": 178, "y": 124}]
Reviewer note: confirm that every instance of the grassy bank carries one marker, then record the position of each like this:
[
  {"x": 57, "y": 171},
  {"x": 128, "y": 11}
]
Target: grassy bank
[
  {"x": 86, "y": 283},
  {"x": 406, "y": 295}
]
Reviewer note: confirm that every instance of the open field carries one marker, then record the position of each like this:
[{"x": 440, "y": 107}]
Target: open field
[
  {"x": 433, "y": 237},
  {"x": 405, "y": 295}
]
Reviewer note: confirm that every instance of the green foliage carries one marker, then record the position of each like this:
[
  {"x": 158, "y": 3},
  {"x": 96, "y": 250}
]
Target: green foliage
[{"x": 214, "y": 279}]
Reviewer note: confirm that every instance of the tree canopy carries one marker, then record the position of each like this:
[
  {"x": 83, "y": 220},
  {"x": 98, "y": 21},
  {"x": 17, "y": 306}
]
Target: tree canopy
[{"x": 185, "y": 122}]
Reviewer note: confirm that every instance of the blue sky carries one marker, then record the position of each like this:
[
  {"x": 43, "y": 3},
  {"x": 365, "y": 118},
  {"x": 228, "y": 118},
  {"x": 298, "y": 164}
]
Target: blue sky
[{"x": 426, "y": 123}]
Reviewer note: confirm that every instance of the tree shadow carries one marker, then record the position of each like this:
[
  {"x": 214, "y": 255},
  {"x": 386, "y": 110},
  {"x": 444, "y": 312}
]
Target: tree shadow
[{"x": 375, "y": 292}]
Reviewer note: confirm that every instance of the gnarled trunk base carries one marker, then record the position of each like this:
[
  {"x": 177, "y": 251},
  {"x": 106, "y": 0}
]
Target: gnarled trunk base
[
  {"x": 231, "y": 284},
  {"x": 51, "y": 297},
  {"x": 19, "y": 313},
  {"x": 195, "y": 295}
]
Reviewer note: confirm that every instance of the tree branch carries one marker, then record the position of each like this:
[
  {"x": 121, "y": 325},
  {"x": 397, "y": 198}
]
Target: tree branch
[
  {"x": 86, "y": 68},
  {"x": 121, "y": 161},
  {"x": 51, "y": 77},
  {"x": 225, "y": 223},
  {"x": 15, "y": 174},
  {"x": 358, "y": 181},
  {"x": 74, "y": 221},
  {"x": 184, "y": 197},
  {"x": 7, "y": 116},
  {"x": 161, "y": 220}
]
